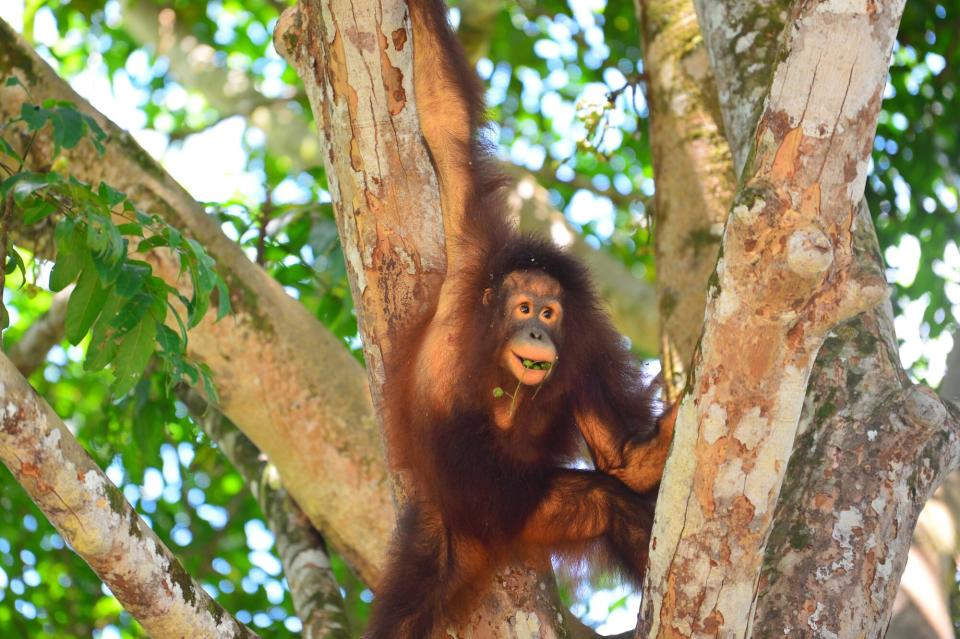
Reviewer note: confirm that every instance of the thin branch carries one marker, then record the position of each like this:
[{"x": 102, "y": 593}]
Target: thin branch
[
  {"x": 29, "y": 352},
  {"x": 303, "y": 552}
]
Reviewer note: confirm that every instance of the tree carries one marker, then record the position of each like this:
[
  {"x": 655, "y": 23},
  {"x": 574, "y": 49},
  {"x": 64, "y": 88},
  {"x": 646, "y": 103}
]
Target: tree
[{"x": 319, "y": 431}]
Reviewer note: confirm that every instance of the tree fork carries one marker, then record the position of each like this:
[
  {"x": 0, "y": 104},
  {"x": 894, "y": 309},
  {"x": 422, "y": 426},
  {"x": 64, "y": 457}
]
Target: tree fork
[{"x": 794, "y": 215}]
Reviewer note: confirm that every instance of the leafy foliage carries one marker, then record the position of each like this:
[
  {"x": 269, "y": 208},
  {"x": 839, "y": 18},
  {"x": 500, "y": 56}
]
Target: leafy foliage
[{"x": 117, "y": 298}]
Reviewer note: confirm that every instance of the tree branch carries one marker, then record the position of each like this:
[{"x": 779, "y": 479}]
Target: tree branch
[
  {"x": 387, "y": 206},
  {"x": 94, "y": 518},
  {"x": 694, "y": 177},
  {"x": 316, "y": 595},
  {"x": 30, "y": 351},
  {"x": 816, "y": 478},
  {"x": 270, "y": 360}
]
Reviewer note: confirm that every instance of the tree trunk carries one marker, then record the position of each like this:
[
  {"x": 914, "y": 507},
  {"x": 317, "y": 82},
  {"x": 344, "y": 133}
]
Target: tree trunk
[
  {"x": 742, "y": 37},
  {"x": 786, "y": 276},
  {"x": 356, "y": 65}
]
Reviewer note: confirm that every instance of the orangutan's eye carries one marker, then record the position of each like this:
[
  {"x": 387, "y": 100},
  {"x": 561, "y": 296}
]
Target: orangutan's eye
[{"x": 525, "y": 308}]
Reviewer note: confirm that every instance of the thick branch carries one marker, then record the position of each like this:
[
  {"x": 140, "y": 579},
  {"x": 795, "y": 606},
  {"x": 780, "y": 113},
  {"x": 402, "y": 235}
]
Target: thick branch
[
  {"x": 272, "y": 360},
  {"x": 98, "y": 523},
  {"x": 786, "y": 277},
  {"x": 741, "y": 37},
  {"x": 316, "y": 595}
]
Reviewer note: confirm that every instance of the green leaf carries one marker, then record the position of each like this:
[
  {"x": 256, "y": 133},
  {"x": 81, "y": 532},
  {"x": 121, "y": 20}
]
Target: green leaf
[
  {"x": 142, "y": 217},
  {"x": 71, "y": 254},
  {"x": 169, "y": 340},
  {"x": 103, "y": 346},
  {"x": 133, "y": 275},
  {"x": 223, "y": 300},
  {"x": 65, "y": 271},
  {"x": 109, "y": 195},
  {"x": 133, "y": 354},
  {"x": 151, "y": 243},
  {"x": 108, "y": 266},
  {"x": 131, "y": 313},
  {"x": 131, "y": 228},
  {"x": 34, "y": 116},
  {"x": 173, "y": 237},
  {"x": 85, "y": 304},
  {"x": 26, "y": 184},
  {"x": 208, "y": 386},
  {"x": 176, "y": 316},
  {"x": 498, "y": 392},
  {"x": 68, "y": 127},
  {"x": 6, "y": 149},
  {"x": 97, "y": 135},
  {"x": 15, "y": 262},
  {"x": 37, "y": 211}
]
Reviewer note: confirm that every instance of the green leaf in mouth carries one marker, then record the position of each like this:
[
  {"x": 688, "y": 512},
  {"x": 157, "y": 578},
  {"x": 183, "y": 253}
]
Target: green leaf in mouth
[{"x": 537, "y": 366}]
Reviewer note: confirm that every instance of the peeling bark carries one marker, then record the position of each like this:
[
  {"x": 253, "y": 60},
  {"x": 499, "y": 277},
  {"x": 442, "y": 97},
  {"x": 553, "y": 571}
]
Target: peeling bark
[
  {"x": 871, "y": 449},
  {"x": 356, "y": 64},
  {"x": 693, "y": 171},
  {"x": 271, "y": 360},
  {"x": 787, "y": 276},
  {"x": 91, "y": 514}
]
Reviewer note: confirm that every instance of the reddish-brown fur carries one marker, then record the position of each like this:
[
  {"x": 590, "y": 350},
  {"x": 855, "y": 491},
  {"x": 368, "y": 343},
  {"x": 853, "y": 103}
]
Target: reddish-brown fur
[{"x": 489, "y": 474}]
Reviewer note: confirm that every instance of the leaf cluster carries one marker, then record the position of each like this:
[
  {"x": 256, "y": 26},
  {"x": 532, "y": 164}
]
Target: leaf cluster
[{"x": 103, "y": 243}]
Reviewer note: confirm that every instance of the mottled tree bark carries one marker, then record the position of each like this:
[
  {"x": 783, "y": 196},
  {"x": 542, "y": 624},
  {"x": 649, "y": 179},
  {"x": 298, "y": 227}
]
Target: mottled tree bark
[
  {"x": 356, "y": 64},
  {"x": 787, "y": 275},
  {"x": 742, "y": 37},
  {"x": 693, "y": 171},
  {"x": 91, "y": 514}
]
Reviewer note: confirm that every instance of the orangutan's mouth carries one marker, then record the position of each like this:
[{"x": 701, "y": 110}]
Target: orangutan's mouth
[{"x": 534, "y": 365}]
